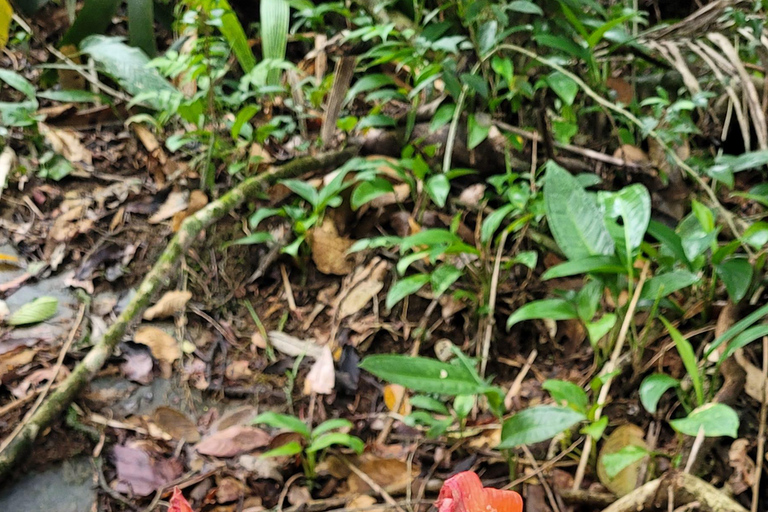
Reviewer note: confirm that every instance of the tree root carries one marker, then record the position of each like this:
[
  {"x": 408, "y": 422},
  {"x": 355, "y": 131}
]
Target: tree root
[
  {"x": 158, "y": 278},
  {"x": 683, "y": 488}
]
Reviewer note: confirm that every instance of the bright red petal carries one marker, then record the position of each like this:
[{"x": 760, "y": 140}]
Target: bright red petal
[
  {"x": 178, "y": 502},
  {"x": 503, "y": 501},
  {"x": 462, "y": 492}
]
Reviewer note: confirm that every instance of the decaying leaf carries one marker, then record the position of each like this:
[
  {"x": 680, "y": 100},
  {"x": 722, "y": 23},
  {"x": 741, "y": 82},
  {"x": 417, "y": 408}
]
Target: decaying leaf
[
  {"x": 632, "y": 154},
  {"x": 294, "y": 347},
  {"x": 137, "y": 364},
  {"x": 361, "y": 502},
  {"x": 229, "y": 489},
  {"x": 743, "y": 476},
  {"x": 233, "y": 441},
  {"x": 364, "y": 291},
  {"x": 625, "y": 481},
  {"x": 329, "y": 250},
  {"x": 391, "y": 474},
  {"x": 261, "y": 467},
  {"x": 322, "y": 376},
  {"x": 164, "y": 347},
  {"x": 14, "y": 359},
  {"x": 394, "y": 394},
  {"x": 169, "y": 304},
  {"x": 238, "y": 370},
  {"x": 141, "y": 473},
  {"x": 197, "y": 200},
  {"x": 66, "y": 143},
  {"x": 176, "y": 424},
  {"x": 175, "y": 203}
]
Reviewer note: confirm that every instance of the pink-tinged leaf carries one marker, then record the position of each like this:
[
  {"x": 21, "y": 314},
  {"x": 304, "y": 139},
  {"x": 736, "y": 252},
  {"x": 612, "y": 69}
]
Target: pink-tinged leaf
[
  {"x": 178, "y": 502},
  {"x": 140, "y": 473},
  {"x": 465, "y": 493},
  {"x": 233, "y": 441}
]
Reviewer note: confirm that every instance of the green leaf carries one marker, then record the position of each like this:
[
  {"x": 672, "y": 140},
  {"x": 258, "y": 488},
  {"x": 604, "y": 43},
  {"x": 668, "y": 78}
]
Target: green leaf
[
  {"x": 590, "y": 264},
  {"x": 633, "y": 205},
  {"x": 428, "y": 403},
  {"x": 243, "y": 116},
  {"x": 442, "y": 117},
  {"x": 424, "y": 374},
  {"x": 463, "y": 405},
  {"x": 369, "y": 190},
  {"x": 525, "y": 7},
  {"x": 595, "y": 429},
  {"x": 304, "y": 190},
  {"x": 716, "y": 419},
  {"x": 554, "y": 309},
  {"x": 438, "y": 187},
  {"x": 756, "y": 235},
  {"x": 18, "y": 82},
  {"x": 563, "y": 44},
  {"x": 443, "y": 277},
  {"x": 688, "y": 357},
  {"x": 404, "y": 288},
  {"x": 537, "y": 424},
  {"x": 331, "y": 424},
  {"x": 477, "y": 132},
  {"x": 574, "y": 218},
  {"x": 736, "y": 274},
  {"x": 475, "y": 83},
  {"x": 275, "y": 15},
  {"x": 568, "y": 392},
  {"x": 493, "y": 221},
  {"x": 283, "y": 422},
  {"x": 486, "y": 36},
  {"x": 262, "y": 213},
  {"x": 336, "y": 438},
  {"x": 669, "y": 239},
  {"x": 259, "y": 237},
  {"x": 129, "y": 67},
  {"x": 564, "y": 86},
  {"x": 600, "y": 328},
  {"x": 744, "y": 339},
  {"x": 614, "y": 463},
  {"x": 94, "y": 18},
  {"x": 141, "y": 25},
  {"x": 69, "y": 96},
  {"x": 39, "y": 310},
  {"x": 737, "y": 328},
  {"x": 653, "y": 387},
  {"x": 664, "y": 284},
  {"x": 286, "y": 450}
]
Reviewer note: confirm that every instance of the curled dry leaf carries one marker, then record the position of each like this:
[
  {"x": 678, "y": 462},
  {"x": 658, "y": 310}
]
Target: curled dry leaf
[
  {"x": 238, "y": 370},
  {"x": 294, "y": 347},
  {"x": 298, "y": 496},
  {"x": 197, "y": 200},
  {"x": 329, "y": 250},
  {"x": 743, "y": 476},
  {"x": 632, "y": 154},
  {"x": 261, "y": 467},
  {"x": 364, "y": 291},
  {"x": 229, "y": 489},
  {"x": 175, "y": 203},
  {"x": 176, "y": 424},
  {"x": 361, "y": 501},
  {"x": 322, "y": 377},
  {"x": 169, "y": 304},
  {"x": 163, "y": 346},
  {"x": 233, "y": 441},
  {"x": 137, "y": 364},
  {"x": 14, "y": 359},
  {"x": 66, "y": 143},
  {"x": 141, "y": 473}
]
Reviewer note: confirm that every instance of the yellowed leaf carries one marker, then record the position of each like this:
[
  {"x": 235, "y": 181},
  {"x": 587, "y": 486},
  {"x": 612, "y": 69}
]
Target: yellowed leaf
[
  {"x": 12, "y": 360},
  {"x": 163, "y": 346},
  {"x": 631, "y": 153},
  {"x": 394, "y": 393},
  {"x": 6, "y": 13},
  {"x": 391, "y": 474},
  {"x": 169, "y": 304}
]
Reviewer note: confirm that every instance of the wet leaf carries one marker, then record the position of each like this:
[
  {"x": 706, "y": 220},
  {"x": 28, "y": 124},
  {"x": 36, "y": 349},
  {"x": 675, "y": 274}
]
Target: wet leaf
[{"x": 538, "y": 424}]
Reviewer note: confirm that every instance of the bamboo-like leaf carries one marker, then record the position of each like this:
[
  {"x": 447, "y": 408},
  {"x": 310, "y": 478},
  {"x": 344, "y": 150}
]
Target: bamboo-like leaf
[
  {"x": 233, "y": 32},
  {"x": 275, "y": 15},
  {"x": 141, "y": 25}
]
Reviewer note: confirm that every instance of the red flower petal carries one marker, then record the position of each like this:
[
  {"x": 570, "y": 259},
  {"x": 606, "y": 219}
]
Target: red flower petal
[
  {"x": 178, "y": 502},
  {"x": 465, "y": 493}
]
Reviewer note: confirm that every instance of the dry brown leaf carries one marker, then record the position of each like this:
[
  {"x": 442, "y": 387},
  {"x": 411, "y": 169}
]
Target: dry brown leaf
[
  {"x": 626, "y": 480},
  {"x": 329, "y": 250},
  {"x": 363, "y": 292},
  {"x": 621, "y": 88},
  {"x": 164, "y": 347},
  {"x": 293, "y": 346},
  {"x": 141, "y": 473},
  {"x": 238, "y": 370},
  {"x": 322, "y": 376},
  {"x": 229, "y": 489},
  {"x": 391, "y": 474},
  {"x": 66, "y": 143},
  {"x": 260, "y": 467},
  {"x": 38, "y": 376},
  {"x": 233, "y": 441},
  {"x": 169, "y": 304},
  {"x": 743, "y": 476},
  {"x": 197, "y": 200},
  {"x": 176, "y": 424},
  {"x": 394, "y": 393},
  {"x": 361, "y": 501},
  {"x": 70, "y": 79},
  {"x": 632, "y": 154},
  {"x": 755, "y": 383},
  {"x": 239, "y": 416},
  {"x": 175, "y": 203},
  {"x": 473, "y": 194},
  {"x": 14, "y": 359},
  {"x": 298, "y": 496}
]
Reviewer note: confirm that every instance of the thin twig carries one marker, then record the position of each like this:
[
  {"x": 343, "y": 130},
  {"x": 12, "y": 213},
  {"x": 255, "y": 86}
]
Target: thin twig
[
  {"x": 761, "y": 431},
  {"x": 514, "y": 389},
  {"x": 490, "y": 321},
  {"x": 609, "y": 368},
  {"x": 544, "y": 483},
  {"x": 694, "y": 450},
  {"x": 541, "y": 469}
]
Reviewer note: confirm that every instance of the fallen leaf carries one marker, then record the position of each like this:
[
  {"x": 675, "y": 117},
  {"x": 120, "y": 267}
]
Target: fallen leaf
[
  {"x": 137, "y": 364},
  {"x": 238, "y": 370},
  {"x": 625, "y": 481},
  {"x": 163, "y": 346},
  {"x": 39, "y": 310},
  {"x": 621, "y": 88},
  {"x": 473, "y": 194},
  {"x": 178, "y": 502},
  {"x": 233, "y": 441},
  {"x": 66, "y": 142},
  {"x": 38, "y": 376},
  {"x": 632, "y": 154},
  {"x": 329, "y": 250},
  {"x": 197, "y": 200},
  {"x": 294, "y": 347},
  {"x": 175, "y": 203},
  {"x": 239, "y": 416},
  {"x": 394, "y": 394},
  {"x": 259, "y": 467},
  {"x": 298, "y": 496},
  {"x": 229, "y": 489},
  {"x": 322, "y": 376},
  {"x": 7, "y": 161},
  {"x": 743, "y": 476},
  {"x": 363, "y": 292},
  {"x": 170, "y": 303},
  {"x": 465, "y": 492},
  {"x": 391, "y": 474},
  {"x": 140, "y": 473},
  {"x": 13, "y": 359},
  {"x": 176, "y": 424},
  {"x": 361, "y": 501}
]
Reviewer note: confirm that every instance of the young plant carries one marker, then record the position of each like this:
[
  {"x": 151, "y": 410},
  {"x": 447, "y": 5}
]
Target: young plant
[{"x": 327, "y": 434}]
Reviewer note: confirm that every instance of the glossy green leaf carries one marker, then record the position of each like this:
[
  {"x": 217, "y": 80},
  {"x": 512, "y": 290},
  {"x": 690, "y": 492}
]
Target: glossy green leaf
[
  {"x": 633, "y": 205},
  {"x": 537, "y": 424},
  {"x": 141, "y": 25},
  {"x": 424, "y": 374},
  {"x": 736, "y": 274},
  {"x": 336, "y": 438},
  {"x": 614, "y": 463},
  {"x": 259, "y": 237},
  {"x": 564, "y": 87},
  {"x": 590, "y": 264},
  {"x": 688, "y": 357},
  {"x": 745, "y": 338},
  {"x": 443, "y": 277},
  {"x": 476, "y": 132},
  {"x": 716, "y": 419},
  {"x": 369, "y": 190},
  {"x": 332, "y": 424},
  {"x": 304, "y": 190},
  {"x": 573, "y": 216},
  {"x": 39, "y": 310},
  {"x": 553, "y": 309},
  {"x": 18, "y": 82},
  {"x": 665, "y": 284},
  {"x": 286, "y": 450},
  {"x": 438, "y": 187},
  {"x": 599, "y": 328},
  {"x": 405, "y": 287},
  {"x": 568, "y": 392},
  {"x": 283, "y": 422},
  {"x": 653, "y": 387},
  {"x": 737, "y": 328},
  {"x": 492, "y": 222},
  {"x": 428, "y": 403}
]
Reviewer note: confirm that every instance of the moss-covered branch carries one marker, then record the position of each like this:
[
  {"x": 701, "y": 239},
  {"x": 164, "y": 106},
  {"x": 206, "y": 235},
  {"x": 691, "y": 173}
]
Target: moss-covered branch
[{"x": 156, "y": 280}]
